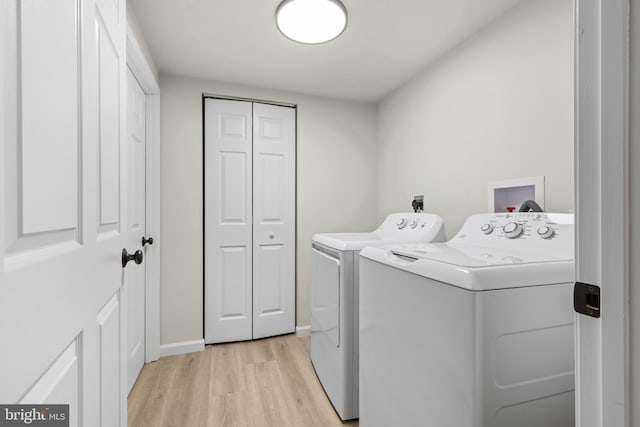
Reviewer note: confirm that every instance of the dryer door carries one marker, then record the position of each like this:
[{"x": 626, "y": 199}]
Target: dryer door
[{"x": 325, "y": 295}]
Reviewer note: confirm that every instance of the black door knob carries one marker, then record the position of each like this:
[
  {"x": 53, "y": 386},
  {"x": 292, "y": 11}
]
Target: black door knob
[
  {"x": 137, "y": 257},
  {"x": 145, "y": 241}
]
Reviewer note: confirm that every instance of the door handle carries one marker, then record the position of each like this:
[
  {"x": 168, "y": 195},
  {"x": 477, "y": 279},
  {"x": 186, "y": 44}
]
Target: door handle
[
  {"x": 145, "y": 241},
  {"x": 137, "y": 257}
]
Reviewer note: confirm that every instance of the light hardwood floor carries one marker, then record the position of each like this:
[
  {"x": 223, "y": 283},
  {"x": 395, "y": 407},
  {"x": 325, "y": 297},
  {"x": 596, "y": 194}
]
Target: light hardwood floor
[{"x": 263, "y": 383}]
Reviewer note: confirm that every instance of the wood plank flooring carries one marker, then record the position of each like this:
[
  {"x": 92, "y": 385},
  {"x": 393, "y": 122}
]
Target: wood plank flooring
[{"x": 263, "y": 383}]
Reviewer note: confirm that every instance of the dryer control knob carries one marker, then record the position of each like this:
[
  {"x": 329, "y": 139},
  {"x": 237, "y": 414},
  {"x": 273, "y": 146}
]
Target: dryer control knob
[
  {"x": 402, "y": 224},
  {"x": 545, "y": 232},
  {"x": 413, "y": 224},
  {"x": 512, "y": 230},
  {"x": 487, "y": 228}
]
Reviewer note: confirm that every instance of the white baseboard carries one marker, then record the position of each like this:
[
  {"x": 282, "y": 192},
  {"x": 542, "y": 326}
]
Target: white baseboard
[
  {"x": 181, "y": 347},
  {"x": 303, "y": 331}
]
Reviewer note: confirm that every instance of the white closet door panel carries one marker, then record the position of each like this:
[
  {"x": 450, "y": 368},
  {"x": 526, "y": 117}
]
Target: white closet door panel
[
  {"x": 273, "y": 220},
  {"x": 270, "y": 189},
  {"x": 235, "y": 283},
  {"x": 228, "y": 226},
  {"x": 49, "y": 128},
  {"x": 233, "y": 188},
  {"x": 269, "y": 267},
  {"x": 233, "y": 127}
]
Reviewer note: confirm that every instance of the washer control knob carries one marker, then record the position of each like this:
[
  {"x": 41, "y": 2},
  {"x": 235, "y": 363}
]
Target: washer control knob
[
  {"x": 512, "y": 230},
  {"x": 413, "y": 224},
  {"x": 545, "y": 232},
  {"x": 402, "y": 223},
  {"x": 487, "y": 228}
]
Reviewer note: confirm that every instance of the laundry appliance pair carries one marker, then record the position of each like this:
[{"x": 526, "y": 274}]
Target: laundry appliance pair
[{"x": 476, "y": 331}]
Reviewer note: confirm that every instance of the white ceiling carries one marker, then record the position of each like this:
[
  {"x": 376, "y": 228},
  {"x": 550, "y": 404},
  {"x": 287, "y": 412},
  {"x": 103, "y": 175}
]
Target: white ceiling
[{"x": 386, "y": 42}]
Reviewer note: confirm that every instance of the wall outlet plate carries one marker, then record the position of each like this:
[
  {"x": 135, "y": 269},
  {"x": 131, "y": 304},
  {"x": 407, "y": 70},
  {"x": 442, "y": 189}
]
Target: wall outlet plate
[{"x": 418, "y": 203}]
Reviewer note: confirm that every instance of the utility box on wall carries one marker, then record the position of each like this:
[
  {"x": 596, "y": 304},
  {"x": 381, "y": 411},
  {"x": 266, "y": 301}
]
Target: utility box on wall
[{"x": 508, "y": 195}]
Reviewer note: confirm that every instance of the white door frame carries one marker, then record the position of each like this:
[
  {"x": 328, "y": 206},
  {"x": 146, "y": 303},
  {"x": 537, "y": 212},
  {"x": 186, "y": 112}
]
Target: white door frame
[
  {"x": 141, "y": 70},
  {"x": 634, "y": 206},
  {"x": 603, "y": 190}
]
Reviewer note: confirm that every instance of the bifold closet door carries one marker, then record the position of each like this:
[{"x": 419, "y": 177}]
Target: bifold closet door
[
  {"x": 228, "y": 247},
  {"x": 249, "y": 220},
  {"x": 273, "y": 220}
]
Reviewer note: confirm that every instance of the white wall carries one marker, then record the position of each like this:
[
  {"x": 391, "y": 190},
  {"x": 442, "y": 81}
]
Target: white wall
[
  {"x": 336, "y": 166},
  {"x": 498, "y": 106}
]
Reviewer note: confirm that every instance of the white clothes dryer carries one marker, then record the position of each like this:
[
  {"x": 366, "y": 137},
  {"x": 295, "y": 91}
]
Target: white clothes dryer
[
  {"x": 475, "y": 332},
  {"x": 334, "y": 300}
]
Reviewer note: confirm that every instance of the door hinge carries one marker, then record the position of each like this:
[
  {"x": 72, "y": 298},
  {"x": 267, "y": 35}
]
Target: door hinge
[{"x": 586, "y": 299}]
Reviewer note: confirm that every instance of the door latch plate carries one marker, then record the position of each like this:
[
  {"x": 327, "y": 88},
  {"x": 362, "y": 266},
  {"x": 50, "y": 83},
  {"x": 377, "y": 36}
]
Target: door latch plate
[{"x": 586, "y": 299}]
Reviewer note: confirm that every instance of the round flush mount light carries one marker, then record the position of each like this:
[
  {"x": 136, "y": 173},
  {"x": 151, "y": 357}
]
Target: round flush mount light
[{"x": 311, "y": 21}]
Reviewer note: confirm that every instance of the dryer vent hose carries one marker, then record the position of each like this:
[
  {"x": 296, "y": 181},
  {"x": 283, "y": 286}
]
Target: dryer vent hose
[{"x": 530, "y": 206}]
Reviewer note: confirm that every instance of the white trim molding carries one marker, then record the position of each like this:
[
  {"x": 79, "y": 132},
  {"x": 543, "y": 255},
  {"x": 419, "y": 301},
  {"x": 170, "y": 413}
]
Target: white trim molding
[
  {"x": 139, "y": 66},
  {"x": 634, "y": 206},
  {"x": 183, "y": 347},
  {"x": 602, "y": 211},
  {"x": 141, "y": 70},
  {"x": 303, "y": 331}
]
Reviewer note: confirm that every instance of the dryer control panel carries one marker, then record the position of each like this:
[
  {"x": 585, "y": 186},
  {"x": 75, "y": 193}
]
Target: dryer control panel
[{"x": 419, "y": 227}]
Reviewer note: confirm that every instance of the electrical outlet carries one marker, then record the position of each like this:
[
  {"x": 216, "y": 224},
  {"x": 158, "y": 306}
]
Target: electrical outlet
[{"x": 418, "y": 203}]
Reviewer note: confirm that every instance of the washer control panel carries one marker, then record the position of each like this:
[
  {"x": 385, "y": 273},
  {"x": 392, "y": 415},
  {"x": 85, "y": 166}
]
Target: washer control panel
[
  {"x": 518, "y": 230},
  {"x": 522, "y": 225}
]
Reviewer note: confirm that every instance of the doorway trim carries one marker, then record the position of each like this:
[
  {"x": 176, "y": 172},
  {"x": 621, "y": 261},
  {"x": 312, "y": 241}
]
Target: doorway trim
[
  {"x": 603, "y": 190},
  {"x": 141, "y": 70}
]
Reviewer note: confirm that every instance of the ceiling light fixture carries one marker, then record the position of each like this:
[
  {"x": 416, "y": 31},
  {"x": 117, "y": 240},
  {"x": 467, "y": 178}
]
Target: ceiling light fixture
[{"x": 311, "y": 21}]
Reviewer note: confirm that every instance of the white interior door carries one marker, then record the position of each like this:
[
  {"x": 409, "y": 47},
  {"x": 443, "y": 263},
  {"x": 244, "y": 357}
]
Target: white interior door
[
  {"x": 228, "y": 222},
  {"x": 602, "y": 211},
  {"x": 134, "y": 289},
  {"x": 62, "y": 203},
  {"x": 274, "y": 290}
]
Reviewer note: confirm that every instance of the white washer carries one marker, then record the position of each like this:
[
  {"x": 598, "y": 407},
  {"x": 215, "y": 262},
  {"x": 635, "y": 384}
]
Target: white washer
[
  {"x": 475, "y": 332},
  {"x": 334, "y": 300}
]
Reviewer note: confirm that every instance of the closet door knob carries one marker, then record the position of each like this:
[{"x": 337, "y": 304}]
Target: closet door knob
[
  {"x": 145, "y": 241},
  {"x": 137, "y": 257}
]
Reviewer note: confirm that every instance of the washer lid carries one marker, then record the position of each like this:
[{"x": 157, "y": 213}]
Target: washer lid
[
  {"x": 470, "y": 256},
  {"x": 474, "y": 268}
]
